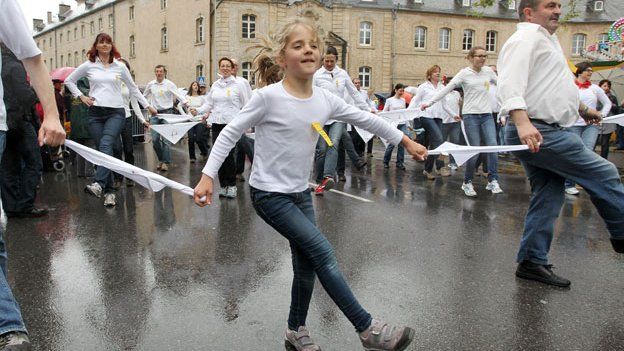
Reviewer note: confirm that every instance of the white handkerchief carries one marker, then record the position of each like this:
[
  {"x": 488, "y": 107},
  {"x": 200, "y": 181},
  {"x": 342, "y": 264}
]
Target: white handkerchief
[
  {"x": 462, "y": 153},
  {"x": 366, "y": 135},
  {"x": 152, "y": 181},
  {"x": 173, "y": 132}
]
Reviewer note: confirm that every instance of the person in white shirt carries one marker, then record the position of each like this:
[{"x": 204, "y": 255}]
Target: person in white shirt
[
  {"x": 162, "y": 93},
  {"x": 590, "y": 94},
  {"x": 124, "y": 147},
  {"x": 338, "y": 82},
  {"x": 536, "y": 90},
  {"x": 358, "y": 142},
  {"x": 197, "y": 134},
  {"x": 223, "y": 103},
  {"x": 285, "y": 146},
  {"x": 396, "y": 102},
  {"x": 451, "y": 122},
  {"x": 431, "y": 119},
  {"x": 107, "y": 116},
  {"x": 475, "y": 80},
  {"x": 17, "y": 36},
  {"x": 245, "y": 145}
]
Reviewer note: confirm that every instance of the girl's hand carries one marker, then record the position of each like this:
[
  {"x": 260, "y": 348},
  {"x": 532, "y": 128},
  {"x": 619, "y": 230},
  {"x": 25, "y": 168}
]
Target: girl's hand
[
  {"x": 203, "y": 191},
  {"x": 417, "y": 151},
  {"x": 424, "y": 107},
  {"x": 152, "y": 111},
  {"x": 87, "y": 100},
  {"x": 457, "y": 118},
  {"x": 147, "y": 125}
]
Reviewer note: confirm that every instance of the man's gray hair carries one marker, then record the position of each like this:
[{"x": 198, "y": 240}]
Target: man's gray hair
[{"x": 532, "y": 4}]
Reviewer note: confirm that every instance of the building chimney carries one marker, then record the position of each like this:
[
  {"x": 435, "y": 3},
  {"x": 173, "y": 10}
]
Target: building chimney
[
  {"x": 63, "y": 9},
  {"x": 49, "y": 17},
  {"x": 38, "y": 24},
  {"x": 89, "y": 3}
]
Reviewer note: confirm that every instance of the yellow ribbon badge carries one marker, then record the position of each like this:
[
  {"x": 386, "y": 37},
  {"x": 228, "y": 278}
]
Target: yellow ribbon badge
[{"x": 319, "y": 129}]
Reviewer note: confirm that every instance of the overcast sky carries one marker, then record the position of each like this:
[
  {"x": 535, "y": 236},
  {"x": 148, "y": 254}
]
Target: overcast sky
[{"x": 39, "y": 8}]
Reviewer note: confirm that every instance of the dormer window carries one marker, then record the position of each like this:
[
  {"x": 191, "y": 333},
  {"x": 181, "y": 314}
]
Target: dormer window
[
  {"x": 598, "y": 5},
  {"x": 466, "y": 3},
  {"x": 511, "y": 4}
]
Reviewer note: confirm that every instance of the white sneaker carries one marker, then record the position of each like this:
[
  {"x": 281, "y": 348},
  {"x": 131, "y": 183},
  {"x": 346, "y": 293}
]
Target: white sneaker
[
  {"x": 572, "y": 190},
  {"x": 94, "y": 189},
  {"x": 469, "y": 189},
  {"x": 494, "y": 187},
  {"x": 109, "y": 200},
  {"x": 223, "y": 191},
  {"x": 231, "y": 192}
]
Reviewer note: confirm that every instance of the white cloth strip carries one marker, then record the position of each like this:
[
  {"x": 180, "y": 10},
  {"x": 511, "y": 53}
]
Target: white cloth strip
[
  {"x": 173, "y": 132},
  {"x": 462, "y": 153},
  {"x": 617, "y": 119},
  {"x": 399, "y": 116},
  {"x": 172, "y": 119},
  {"x": 149, "y": 180}
]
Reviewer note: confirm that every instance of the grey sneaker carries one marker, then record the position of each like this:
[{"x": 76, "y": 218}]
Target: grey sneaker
[
  {"x": 14, "y": 341},
  {"x": 223, "y": 191},
  {"x": 94, "y": 189},
  {"x": 382, "y": 337},
  {"x": 231, "y": 192},
  {"x": 299, "y": 340},
  {"x": 109, "y": 200}
]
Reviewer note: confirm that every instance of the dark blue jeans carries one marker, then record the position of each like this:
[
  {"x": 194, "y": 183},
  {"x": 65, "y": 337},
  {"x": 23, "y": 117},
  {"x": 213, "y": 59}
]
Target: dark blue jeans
[
  {"x": 433, "y": 127},
  {"x": 619, "y": 131},
  {"x": 198, "y": 135},
  {"x": 105, "y": 127},
  {"x": 292, "y": 215},
  {"x": 589, "y": 136},
  {"x": 21, "y": 168},
  {"x": 10, "y": 315},
  {"x": 400, "y": 149},
  {"x": 481, "y": 127},
  {"x": 563, "y": 155},
  {"x": 452, "y": 133}
]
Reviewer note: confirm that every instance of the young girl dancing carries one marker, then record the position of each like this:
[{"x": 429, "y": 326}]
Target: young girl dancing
[{"x": 284, "y": 114}]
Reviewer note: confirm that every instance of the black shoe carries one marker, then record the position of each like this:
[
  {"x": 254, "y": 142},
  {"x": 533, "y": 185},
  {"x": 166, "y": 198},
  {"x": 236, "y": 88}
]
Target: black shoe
[
  {"x": 541, "y": 273},
  {"x": 342, "y": 178},
  {"x": 32, "y": 213},
  {"x": 401, "y": 167},
  {"x": 386, "y": 166},
  {"x": 361, "y": 165},
  {"x": 618, "y": 245}
]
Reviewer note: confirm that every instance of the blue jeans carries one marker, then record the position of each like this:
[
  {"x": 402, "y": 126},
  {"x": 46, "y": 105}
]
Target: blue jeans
[
  {"x": 10, "y": 315},
  {"x": 481, "y": 127},
  {"x": 619, "y": 131},
  {"x": 161, "y": 145},
  {"x": 433, "y": 127},
  {"x": 400, "y": 149},
  {"x": 292, "y": 215},
  {"x": 563, "y": 155},
  {"x": 347, "y": 145},
  {"x": 327, "y": 157},
  {"x": 105, "y": 127},
  {"x": 589, "y": 136},
  {"x": 452, "y": 133}
]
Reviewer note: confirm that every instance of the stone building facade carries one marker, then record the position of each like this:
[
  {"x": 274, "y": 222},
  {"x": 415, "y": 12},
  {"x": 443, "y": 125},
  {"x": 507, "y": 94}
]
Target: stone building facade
[{"x": 381, "y": 41}]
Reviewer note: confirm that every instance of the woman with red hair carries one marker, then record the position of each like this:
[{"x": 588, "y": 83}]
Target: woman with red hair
[{"x": 106, "y": 105}]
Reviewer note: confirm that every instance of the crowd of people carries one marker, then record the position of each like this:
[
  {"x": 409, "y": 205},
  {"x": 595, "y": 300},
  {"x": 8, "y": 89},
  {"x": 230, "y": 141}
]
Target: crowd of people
[{"x": 306, "y": 114}]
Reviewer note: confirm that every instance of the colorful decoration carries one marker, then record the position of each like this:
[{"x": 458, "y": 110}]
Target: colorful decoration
[{"x": 616, "y": 32}]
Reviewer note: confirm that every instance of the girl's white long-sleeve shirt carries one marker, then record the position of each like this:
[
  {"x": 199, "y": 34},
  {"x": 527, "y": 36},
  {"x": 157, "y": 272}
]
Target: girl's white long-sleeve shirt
[
  {"x": 285, "y": 139},
  {"x": 425, "y": 93},
  {"x": 131, "y": 101},
  {"x": 223, "y": 101},
  {"x": 476, "y": 86},
  {"x": 590, "y": 98},
  {"x": 393, "y": 103},
  {"x": 451, "y": 107},
  {"x": 105, "y": 83}
]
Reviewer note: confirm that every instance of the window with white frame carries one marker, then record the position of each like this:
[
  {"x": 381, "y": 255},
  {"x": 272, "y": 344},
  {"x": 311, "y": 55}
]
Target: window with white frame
[
  {"x": 100, "y": 23},
  {"x": 92, "y": 27},
  {"x": 247, "y": 72},
  {"x": 420, "y": 37},
  {"x": 468, "y": 39},
  {"x": 444, "y": 40},
  {"x": 466, "y": 3},
  {"x": 163, "y": 4},
  {"x": 603, "y": 37},
  {"x": 578, "y": 43},
  {"x": 199, "y": 70},
  {"x": 164, "y": 40},
  {"x": 82, "y": 31},
  {"x": 131, "y": 13},
  {"x": 199, "y": 30},
  {"x": 511, "y": 4},
  {"x": 249, "y": 26},
  {"x": 490, "y": 41},
  {"x": 366, "y": 32},
  {"x": 132, "y": 46},
  {"x": 365, "y": 73},
  {"x": 598, "y": 5}
]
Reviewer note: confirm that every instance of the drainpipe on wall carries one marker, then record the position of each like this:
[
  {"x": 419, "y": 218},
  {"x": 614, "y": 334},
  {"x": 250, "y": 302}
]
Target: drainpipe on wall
[
  {"x": 114, "y": 23},
  {"x": 55, "y": 50},
  {"x": 393, "y": 46},
  {"x": 212, "y": 52}
]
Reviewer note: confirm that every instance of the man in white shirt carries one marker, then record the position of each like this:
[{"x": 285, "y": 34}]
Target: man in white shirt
[
  {"x": 245, "y": 145},
  {"x": 161, "y": 93},
  {"x": 536, "y": 89},
  {"x": 17, "y": 36}
]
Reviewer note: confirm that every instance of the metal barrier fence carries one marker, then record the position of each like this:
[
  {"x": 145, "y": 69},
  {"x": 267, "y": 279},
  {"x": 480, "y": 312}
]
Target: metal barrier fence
[{"x": 138, "y": 130}]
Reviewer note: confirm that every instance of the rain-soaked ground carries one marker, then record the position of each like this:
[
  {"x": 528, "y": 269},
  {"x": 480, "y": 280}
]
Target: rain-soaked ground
[{"x": 158, "y": 273}]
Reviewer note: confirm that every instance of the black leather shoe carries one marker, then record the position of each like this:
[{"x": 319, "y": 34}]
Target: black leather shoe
[
  {"x": 541, "y": 273},
  {"x": 618, "y": 245},
  {"x": 32, "y": 213},
  {"x": 361, "y": 165}
]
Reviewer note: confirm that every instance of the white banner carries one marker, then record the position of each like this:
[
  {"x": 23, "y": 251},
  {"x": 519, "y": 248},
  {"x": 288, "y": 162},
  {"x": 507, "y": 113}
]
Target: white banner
[
  {"x": 398, "y": 116},
  {"x": 617, "y": 119},
  {"x": 172, "y": 119},
  {"x": 173, "y": 132}
]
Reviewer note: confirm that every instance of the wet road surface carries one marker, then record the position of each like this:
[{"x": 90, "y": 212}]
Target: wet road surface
[{"x": 158, "y": 273}]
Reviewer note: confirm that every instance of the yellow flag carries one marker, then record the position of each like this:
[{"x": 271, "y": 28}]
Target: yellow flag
[{"x": 319, "y": 129}]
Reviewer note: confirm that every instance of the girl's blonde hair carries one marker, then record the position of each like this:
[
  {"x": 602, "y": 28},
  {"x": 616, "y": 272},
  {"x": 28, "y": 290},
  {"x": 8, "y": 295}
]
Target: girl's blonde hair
[
  {"x": 431, "y": 70},
  {"x": 272, "y": 50}
]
